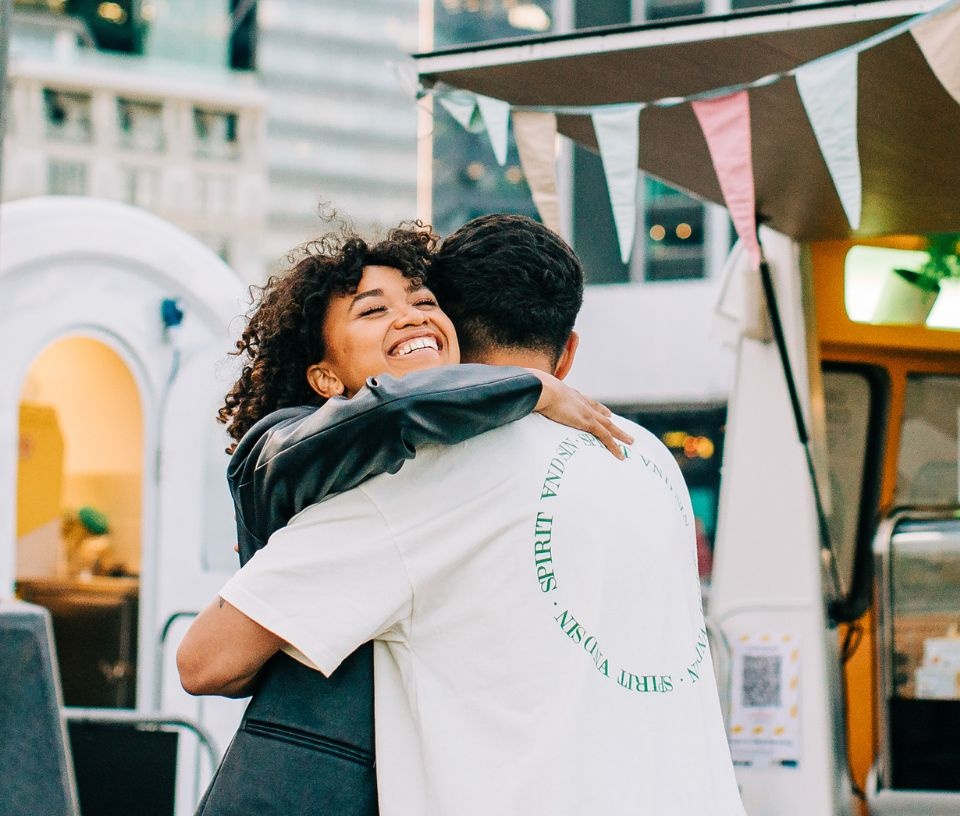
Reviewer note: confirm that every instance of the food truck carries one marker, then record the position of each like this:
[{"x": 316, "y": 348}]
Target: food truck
[{"x": 835, "y": 599}]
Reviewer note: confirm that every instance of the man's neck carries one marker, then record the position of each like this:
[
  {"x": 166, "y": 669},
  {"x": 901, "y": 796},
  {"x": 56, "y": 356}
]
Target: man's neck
[{"x": 525, "y": 358}]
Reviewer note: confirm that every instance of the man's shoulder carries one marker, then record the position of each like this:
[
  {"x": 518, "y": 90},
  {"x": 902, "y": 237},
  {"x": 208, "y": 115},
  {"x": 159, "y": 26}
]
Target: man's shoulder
[{"x": 479, "y": 463}]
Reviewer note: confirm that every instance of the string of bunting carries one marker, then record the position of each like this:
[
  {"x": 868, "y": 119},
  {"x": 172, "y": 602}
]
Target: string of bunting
[{"x": 828, "y": 90}]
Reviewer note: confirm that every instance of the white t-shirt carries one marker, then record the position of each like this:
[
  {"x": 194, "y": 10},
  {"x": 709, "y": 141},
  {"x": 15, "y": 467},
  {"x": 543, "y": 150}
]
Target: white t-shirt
[{"x": 540, "y": 644}]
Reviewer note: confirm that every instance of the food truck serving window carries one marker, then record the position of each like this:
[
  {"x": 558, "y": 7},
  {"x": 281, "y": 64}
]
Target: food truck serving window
[
  {"x": 919, "y": 643},
  {"x": 927, "y": 472}
]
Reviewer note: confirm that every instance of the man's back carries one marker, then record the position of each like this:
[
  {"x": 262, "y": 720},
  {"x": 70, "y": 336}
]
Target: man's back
[{"x": 541, "y": 646}]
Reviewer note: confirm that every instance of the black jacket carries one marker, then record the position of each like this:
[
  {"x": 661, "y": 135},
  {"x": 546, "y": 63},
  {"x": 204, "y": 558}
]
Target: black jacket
[{"x": 306, "y": 742}]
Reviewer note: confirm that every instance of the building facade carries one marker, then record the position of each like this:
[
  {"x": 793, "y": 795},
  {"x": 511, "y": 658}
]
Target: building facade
[
  {"x": 340, "y": 118},
  {"x": 128, "y": 120}
]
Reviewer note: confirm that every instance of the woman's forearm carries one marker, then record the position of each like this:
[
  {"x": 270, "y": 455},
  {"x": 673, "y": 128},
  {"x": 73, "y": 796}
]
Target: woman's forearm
[{"x": 223, "y": 650}]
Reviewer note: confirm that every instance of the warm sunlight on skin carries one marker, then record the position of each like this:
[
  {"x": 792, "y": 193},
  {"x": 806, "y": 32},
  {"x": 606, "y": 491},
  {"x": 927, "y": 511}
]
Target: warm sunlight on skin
[{"x": 390, "y": 325}]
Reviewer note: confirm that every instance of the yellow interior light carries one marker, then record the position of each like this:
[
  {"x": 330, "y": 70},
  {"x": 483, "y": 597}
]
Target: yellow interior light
[
  {"x": 529, "y": 17},
  {"x": 674, "y": 439},
  {"x": 514, "y": 174},
  {"x": 112, "y": 12}
]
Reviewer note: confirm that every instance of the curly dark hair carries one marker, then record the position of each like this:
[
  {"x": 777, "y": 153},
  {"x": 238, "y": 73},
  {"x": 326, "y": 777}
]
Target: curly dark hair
[
  {"x": 284, "y": 332},
  {"x": 507, "y": 281}
]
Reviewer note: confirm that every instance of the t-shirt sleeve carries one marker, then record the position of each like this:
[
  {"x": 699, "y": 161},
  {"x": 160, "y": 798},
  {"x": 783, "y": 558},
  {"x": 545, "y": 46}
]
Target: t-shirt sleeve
[{"x": 330, "y": 581}]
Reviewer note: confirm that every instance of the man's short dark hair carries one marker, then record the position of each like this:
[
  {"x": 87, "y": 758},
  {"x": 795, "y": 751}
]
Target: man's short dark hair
[{"x": 507, "y": 281}]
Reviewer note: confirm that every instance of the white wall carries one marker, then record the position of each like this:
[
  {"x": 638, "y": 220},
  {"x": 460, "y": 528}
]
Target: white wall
[{"x": 652, "y": 343}]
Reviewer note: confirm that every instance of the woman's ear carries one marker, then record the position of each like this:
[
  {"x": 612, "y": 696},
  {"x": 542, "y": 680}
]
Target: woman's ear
[{"x": 322, "y": 380}]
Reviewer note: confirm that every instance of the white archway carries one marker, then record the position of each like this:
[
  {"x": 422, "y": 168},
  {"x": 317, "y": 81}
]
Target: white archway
[{"x": 81, "y": 266}]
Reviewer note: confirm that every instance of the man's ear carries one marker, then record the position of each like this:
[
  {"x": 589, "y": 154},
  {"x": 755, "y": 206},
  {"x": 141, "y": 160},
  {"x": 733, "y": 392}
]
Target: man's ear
[
  {"x": 565, "y": 363},
  {"x": 324, "y": 381}
]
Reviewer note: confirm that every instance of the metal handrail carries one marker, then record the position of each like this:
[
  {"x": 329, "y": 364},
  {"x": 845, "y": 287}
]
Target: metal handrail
[
  {"x": 160, "y": 654},
  {"x": 127, "y": 717},
  {"x": 156, "y": 721}
]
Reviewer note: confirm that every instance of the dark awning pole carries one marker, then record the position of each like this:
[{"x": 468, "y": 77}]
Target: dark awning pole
[{"x": 826, "y": 547}]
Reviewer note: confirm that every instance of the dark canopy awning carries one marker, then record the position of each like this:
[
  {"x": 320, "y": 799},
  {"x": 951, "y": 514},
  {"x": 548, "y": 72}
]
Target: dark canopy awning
[{"x": 909, "y": 126}]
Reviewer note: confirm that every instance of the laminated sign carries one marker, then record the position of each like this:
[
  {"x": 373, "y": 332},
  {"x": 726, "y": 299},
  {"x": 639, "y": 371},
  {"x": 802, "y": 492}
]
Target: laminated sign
[{"x": 765, "y": 700}]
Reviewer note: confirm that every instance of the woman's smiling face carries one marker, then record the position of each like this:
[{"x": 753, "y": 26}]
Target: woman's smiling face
[{"x": 390, "y": 325}]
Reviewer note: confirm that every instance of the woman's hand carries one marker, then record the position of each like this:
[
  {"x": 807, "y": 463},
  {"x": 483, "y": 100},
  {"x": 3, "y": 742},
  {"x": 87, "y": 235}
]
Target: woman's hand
[{"x": 566, "y": 405}]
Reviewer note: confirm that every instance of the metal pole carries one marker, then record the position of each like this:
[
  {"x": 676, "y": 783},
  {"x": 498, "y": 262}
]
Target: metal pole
[{"x": 6, "y": 23}]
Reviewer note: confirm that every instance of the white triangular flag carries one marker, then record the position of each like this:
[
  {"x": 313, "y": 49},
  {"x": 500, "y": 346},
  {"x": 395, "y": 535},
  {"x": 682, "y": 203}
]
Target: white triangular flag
[
  {"x": 536, "y": 135},
  {"x": 496, "y": 116},
  {"x": 937, "y": 37},
  {"x": 618, "y": 137},
  {"x": 461, "y": 106},
  {"x": 828, "y": 89}
]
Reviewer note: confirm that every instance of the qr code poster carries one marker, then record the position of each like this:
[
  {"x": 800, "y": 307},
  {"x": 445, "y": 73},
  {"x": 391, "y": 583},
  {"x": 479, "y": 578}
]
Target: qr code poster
[{"x": 765, "y": 700}]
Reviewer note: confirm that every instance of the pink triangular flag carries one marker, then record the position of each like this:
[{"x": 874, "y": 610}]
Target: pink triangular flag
[
  {"x": 937, "y": 37},
  {"x": 725, "y": 122},
  {"x": 536, "y": 136}
]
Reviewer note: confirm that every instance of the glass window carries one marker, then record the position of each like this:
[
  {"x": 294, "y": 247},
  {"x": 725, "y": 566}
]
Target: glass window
[
  {"x": 665, "y": 9},
  {"x": 925, "y": 593},
  {"x": 142, "y": 186},
  {"x": 215, "y": 134},
  {"x": 847, "y": 406},
  {"x": 594, "y": 232},
  {"x": 674, "y": 234},
  {"x": 66, "y": 178},
  {"x": 736, "y": 5},
  {"x": 215, "y": 193},
  {"x": 140, "y": 124},
  {"x": 243, "y": 38},
  {"x": 884, "y": 285},
  {"x": 210, "y": 32},
  {"x": 920, "y": 655},
  {"x": 927, "y": 464},
  {"x": 855, "y": 403},
  {"x": 459, "y": 22},
  {"x": 467, "y": 181},
  {"x": 67, "y": 116}
]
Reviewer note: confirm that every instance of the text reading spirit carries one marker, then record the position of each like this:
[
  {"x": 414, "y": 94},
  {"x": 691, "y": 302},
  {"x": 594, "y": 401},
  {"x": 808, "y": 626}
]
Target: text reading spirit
[{"x": 572, "y": 628}]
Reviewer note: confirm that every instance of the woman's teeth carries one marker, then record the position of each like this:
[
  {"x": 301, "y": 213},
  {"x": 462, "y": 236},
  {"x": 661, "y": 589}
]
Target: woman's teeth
[{"x": 416, "y": 345}]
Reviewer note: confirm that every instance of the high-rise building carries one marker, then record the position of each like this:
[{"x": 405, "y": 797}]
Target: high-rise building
[
  {"x": 238, "y": 120},
  {"x": 341, "y": 123},
  {"x": 115, "y": 100}
]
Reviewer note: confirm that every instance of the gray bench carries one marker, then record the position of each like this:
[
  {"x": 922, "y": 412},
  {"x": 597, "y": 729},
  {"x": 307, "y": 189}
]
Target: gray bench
[
  {"x": 36, "y": 770},
  {"x": 128, "y": 757}
]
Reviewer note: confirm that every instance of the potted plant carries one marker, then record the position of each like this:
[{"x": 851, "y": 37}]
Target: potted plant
[
  {"x": 909, "y": 294},
  {"x": 946, "y": 313}
]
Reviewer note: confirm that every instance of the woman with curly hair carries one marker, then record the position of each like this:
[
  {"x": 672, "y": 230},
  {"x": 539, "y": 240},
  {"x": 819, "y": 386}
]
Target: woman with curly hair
[
  {"x": 284, "y": 333},
  {"x": 349, "y": 320}
]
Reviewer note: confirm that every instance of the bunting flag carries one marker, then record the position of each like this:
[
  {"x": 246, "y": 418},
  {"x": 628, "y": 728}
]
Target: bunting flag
[
  {"x": 828, "y": 89},
  {"x": 536, "y": 135},
  {"x": 618, "y": 137},
  {"x": 725, "y": 122},
  {"x": 496, "y": 116},
  {"x": 937, "y": 37},
  {"x": 461, "y": 106}
]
